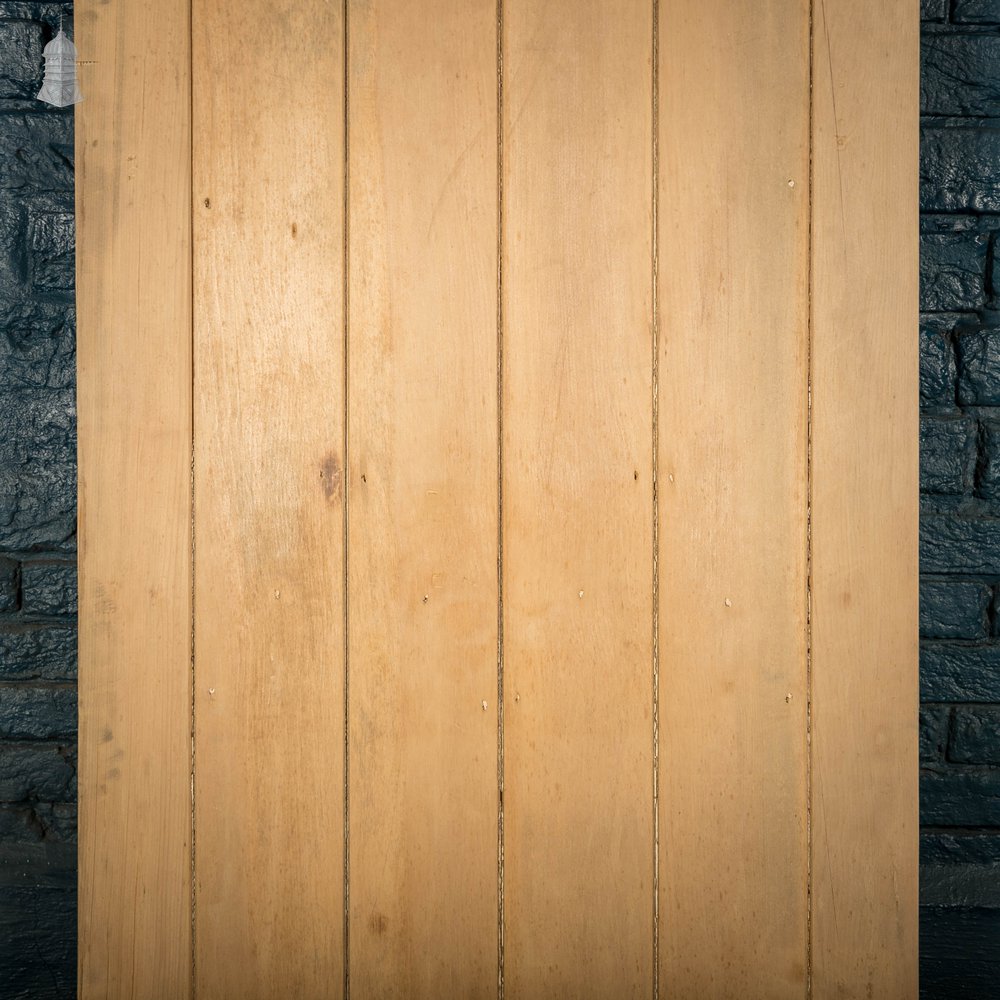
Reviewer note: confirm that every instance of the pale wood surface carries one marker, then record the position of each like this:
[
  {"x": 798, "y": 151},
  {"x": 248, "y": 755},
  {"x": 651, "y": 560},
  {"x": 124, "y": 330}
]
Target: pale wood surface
[
  {"x": 733, "y": 285},
  {"x": 423, "y": 499},
  {"x": 864, "y": 499},
  {"x": 133, "y": 147},
  {"x": 577, "y": 496},
  {"x": 269, "y": 527},
  {"x": 737, "y": 345}
]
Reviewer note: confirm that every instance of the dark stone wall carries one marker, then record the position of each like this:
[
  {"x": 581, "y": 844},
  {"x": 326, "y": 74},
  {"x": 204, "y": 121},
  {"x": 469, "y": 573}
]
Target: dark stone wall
[
  {"x": 960, "y": 500},
  {"x": 37, "y": 520}
]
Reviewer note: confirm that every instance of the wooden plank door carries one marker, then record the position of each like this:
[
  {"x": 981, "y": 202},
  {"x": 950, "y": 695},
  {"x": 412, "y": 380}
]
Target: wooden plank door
[{"x": 498, "y": 499}]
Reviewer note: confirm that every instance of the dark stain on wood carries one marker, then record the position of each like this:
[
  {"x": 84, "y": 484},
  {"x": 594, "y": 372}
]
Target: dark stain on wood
[{"x": 330, "y": 477}]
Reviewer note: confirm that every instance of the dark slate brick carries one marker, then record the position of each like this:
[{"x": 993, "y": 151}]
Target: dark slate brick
[
  {"x": 953, "y": 797},
  {"x": 947, "y": 454},
  {"x": 960, "y": 545},
  {"x": 957, "y": 672},
  {"x": 960, "y": 884},
  {"x": 30, "y": 822},
  {"x": 48, "y": 588},
  {"x": 988, "y": 485},
  {"x": 38, "y": 653},
  {"x": 975, "y": 737},
  {"x": 36, "y": 152},
  {"x": 52, "y": 241},
  {"x": 31, "y": 853},
  {"x": 960, "y": 848},
  {"x": 48, "y": 13},
  {"x": 959, "y": 958},
  {"x": 938, "y": 371},
  {"x": 58, "y": 821},
  {"x": 42, "y": 771},
  {"x": 15, "y": 283},
  {"x": 37, "y": 712},
  {"x": 960, "y": 169},
  {"x": 17, "y": 822},
  {"x": 960, "y": 870},
  {"x": 933, "y": 10},
  {"x": 44, "y": 864},
  {"x": 948, "y": 503},
  {"x": 953, "y": 609},
  {"x": 21, "y": 61},
  {"x": 960, "y": 74},
  {"x": 933, "y": 732},
  {"x": 931, "y": 222},
  {"x": 38, "y": 346},
  {"x": 979, "y": 367},
  {"x": 38, "y": 955},
  {"x": 9, "y": 577},
  {"x": 61, "y": 200},
  {"x": 953, "y": 271},
  {"x": 37, "y": 469},
  {"x": 976, "y": 11}
]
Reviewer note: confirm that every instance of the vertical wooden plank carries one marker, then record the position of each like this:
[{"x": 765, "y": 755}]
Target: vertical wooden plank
[
  {"x": 133, "y": 150},
  {"x": 423, "y": 491},
  {"x": 864, "y": 499},
  {"x": 733, "y": 307},
  {"x": 577, "y": 496},
  {"x": 269, "y": 526}
]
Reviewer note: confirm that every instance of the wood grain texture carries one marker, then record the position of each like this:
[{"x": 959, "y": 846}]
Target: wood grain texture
[
  {"x": 133, "y": 148},
  {"x": 765, "y": 714},
  {"x": 733, "y": 307},
  {"x": 423, "y": 499},
  {"x": 269, "y": 607},
  {"x": 864, "y": 499},
  {"x": 577, "y": 487}
]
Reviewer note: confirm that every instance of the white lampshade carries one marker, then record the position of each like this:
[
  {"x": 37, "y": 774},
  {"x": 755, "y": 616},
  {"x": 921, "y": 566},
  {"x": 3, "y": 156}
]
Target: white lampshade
[{"x": 59, "y": 87}]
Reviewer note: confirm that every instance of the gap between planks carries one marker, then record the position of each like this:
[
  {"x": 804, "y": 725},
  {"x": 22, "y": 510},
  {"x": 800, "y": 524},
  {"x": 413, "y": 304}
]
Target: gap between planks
[
  {"x": 808, "y": 538},
  {"x": 500, "y": 470},
  {"x": 655, "y": 405},
  {"x": 346, "y": 491}
]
